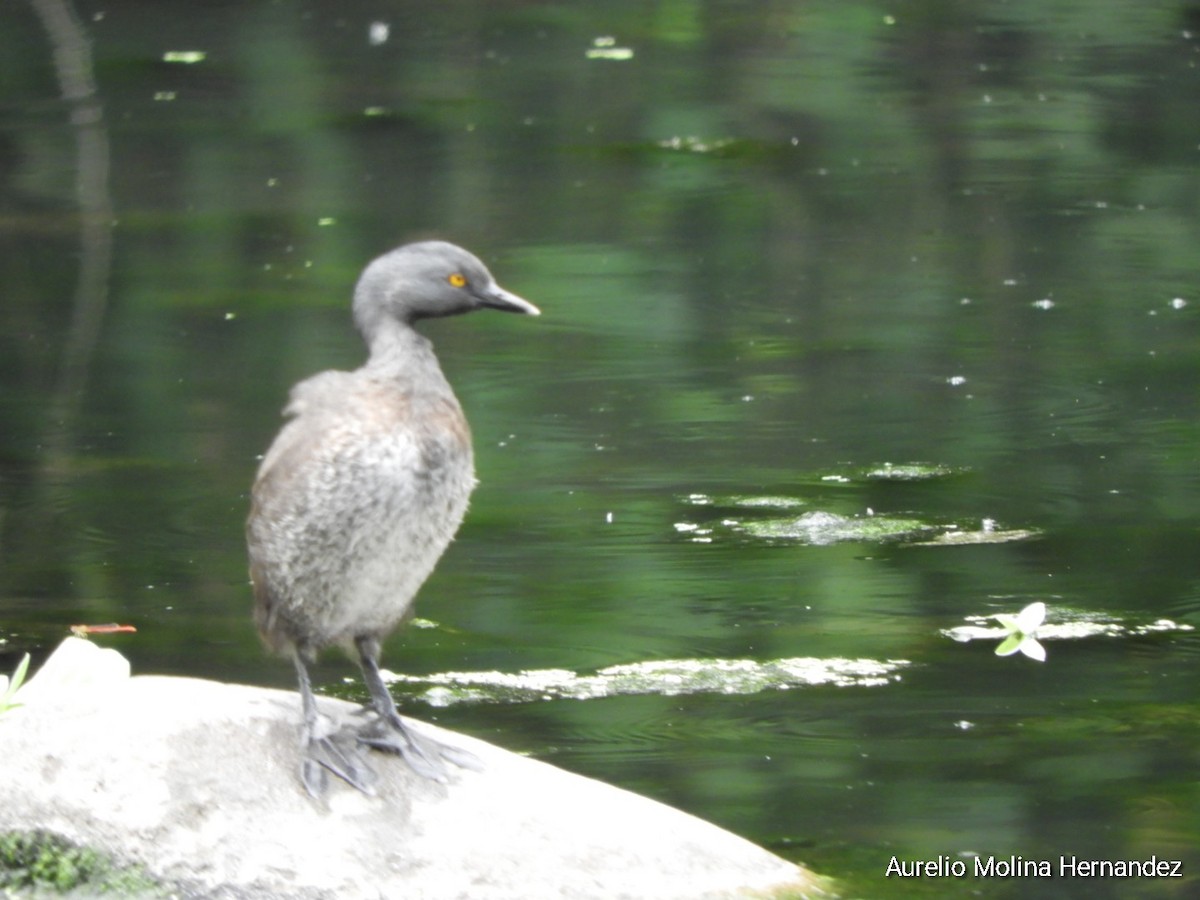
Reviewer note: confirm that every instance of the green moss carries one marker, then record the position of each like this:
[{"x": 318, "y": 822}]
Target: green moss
[{"x": 36, "y": 862}]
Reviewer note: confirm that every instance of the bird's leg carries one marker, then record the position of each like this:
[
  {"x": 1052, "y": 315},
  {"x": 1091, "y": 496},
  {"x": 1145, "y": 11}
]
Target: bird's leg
[
  {"x": 323, "y": 750},
  {"x": 423, "y": 754}
]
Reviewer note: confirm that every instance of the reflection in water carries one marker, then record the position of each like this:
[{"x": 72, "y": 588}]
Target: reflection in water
[
  {"x": 781, "y": 244},
  {"x": 74, "y": 68},
  {"x": 44, "y": 421}
]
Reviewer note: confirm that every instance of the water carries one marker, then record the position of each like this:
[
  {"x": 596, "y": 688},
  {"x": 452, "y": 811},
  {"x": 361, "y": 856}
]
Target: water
[{"x": 859, "y": 324}]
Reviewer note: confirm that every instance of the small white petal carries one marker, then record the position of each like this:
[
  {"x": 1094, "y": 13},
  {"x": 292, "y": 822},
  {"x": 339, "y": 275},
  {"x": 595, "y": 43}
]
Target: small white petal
[
  {"x": 1030, "y": 619},
  {"x": 1031, "y": 648}
]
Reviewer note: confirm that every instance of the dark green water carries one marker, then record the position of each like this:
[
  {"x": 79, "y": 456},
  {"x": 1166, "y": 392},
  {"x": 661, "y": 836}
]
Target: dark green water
[{"x": 777, "y": 246}]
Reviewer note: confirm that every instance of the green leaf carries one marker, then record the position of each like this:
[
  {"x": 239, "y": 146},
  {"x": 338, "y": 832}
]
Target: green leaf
[
  {"x": 18, "y": 677},
  {"x": 11, "y": 686},
  {"x": 1010, "y": 644}
]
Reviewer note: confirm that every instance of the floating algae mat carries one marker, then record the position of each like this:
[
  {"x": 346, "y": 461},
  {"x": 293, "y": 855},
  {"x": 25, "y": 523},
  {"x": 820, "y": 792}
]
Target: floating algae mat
[
  {"x": 816, "y": 527},
  {"x": 987, "y": 533},
  {"x": 665, "y": 677},
  {"x": 1066, "y": 624},
  {"x": 757, "y": 516},
  {"x": 828, "y": 528}
]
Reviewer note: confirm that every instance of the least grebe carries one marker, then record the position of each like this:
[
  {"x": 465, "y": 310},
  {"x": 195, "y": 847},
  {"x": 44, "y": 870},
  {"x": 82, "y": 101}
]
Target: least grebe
[{"x": 361, "y": 492}]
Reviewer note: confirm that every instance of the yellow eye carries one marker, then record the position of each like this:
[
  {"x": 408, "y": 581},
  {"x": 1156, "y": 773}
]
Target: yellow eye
[{"x": 457, "y": 280}]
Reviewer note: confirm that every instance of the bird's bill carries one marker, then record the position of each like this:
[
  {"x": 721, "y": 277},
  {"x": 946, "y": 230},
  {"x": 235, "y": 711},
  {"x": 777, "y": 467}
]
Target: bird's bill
[{"x": 496, "y": 297}]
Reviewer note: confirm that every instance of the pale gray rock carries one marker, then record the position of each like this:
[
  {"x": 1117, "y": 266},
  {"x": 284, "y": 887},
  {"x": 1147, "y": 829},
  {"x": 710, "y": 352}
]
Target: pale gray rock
[{"x": 197, "y": 781}]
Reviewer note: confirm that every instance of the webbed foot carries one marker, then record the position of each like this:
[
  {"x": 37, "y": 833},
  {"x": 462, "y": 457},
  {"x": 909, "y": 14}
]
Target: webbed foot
[
  {"x": 339, "y": 753},
  {"x": 324, "y": 750},
  {"x": 424, "y": 755}
]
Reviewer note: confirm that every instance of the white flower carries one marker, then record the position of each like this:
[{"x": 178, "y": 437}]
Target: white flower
[{"x": 1022, "y": 632}]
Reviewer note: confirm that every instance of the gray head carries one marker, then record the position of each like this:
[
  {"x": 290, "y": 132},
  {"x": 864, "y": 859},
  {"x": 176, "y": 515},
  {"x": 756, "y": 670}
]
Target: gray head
[{"x": 427, "y": 280}]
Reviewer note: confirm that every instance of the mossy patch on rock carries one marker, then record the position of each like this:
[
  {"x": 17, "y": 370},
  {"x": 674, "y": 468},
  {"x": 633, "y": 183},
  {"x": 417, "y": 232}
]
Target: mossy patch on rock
[{"x": 40, "y": 862}]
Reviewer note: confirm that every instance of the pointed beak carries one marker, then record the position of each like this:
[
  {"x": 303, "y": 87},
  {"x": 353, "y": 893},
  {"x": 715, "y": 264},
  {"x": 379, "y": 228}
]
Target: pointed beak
[{"x": 496, "y": 297}]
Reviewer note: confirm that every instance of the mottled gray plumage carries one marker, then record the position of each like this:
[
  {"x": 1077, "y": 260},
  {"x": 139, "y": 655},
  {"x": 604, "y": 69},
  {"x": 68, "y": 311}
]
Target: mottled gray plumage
[{"x": 361, "y": 492}]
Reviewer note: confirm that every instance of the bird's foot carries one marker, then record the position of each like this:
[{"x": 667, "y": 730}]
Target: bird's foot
[
  {"x": 424, "y": 755},
  {"x": 340, "y": 753}
]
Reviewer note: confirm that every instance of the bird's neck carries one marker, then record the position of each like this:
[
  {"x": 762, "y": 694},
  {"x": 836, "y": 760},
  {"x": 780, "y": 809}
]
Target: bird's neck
[{"x": 398, "y": 351}]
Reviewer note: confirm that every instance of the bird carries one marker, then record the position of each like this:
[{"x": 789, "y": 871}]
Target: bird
[{"x": 359, "y": 494}]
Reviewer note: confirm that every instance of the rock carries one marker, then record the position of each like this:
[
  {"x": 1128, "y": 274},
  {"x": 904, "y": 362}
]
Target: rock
[
  {"x": 76, "y": 672},
  {"x": 197, "y": 781}
]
